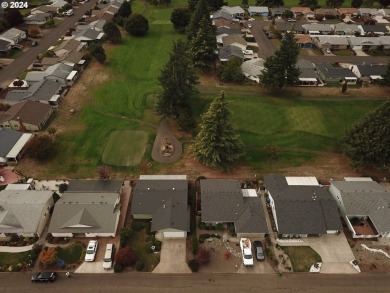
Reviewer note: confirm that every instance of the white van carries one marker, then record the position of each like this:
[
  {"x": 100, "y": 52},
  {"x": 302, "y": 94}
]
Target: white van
[
  {"x": 69, "y": 12},
  {"x": 107, "y": 261}
]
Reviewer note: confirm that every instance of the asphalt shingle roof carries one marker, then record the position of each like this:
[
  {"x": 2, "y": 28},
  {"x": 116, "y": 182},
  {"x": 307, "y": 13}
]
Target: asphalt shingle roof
[
  {"x": 8, "y": 138},
  {"x": 229, "y": 51}
]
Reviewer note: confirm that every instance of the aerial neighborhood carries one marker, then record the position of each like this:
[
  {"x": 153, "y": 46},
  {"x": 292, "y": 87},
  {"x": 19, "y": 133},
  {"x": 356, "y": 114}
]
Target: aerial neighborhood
[{"x": 188, "y": 136}]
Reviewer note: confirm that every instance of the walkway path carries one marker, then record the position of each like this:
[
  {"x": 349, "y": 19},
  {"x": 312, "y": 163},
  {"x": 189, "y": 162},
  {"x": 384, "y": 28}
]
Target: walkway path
[{"x": 163, "y": 131}]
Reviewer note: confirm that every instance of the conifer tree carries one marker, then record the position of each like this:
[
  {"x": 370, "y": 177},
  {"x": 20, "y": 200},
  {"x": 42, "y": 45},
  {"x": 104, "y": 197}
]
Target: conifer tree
[
  {"x": 200, "y": 12},
  {"x": 217, "y": 144}
]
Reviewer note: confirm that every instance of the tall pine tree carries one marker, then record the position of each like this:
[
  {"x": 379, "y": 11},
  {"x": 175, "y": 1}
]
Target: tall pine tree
[
  {"x": 217, "y": 144},
  {"x": 202, "y": 47},
  {"x": 178, "y": 80},
  {"x": 280, "y": 69},
  {"x": 192, "y": 4},
  {"x": 200, "y": 12},
  {"x": 386, "y": 76}
]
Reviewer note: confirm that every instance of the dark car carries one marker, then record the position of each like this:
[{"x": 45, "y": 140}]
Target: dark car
[
  {"x": 259, "y": 250},
  {"x": 44, "y": 277}
]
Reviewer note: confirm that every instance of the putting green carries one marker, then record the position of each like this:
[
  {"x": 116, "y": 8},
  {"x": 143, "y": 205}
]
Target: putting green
[{"x": 125, "y": 148}]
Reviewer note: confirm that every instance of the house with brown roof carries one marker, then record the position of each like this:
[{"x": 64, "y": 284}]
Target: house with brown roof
[
  {"x": 347, "y": 11},
  {"x": 302, "y": 12},
  {"x": 235, "y": 40},
  {"x": 328, "y": 13},
  {"x": 303, "y": 41},
  {"x": 225, "y": 23},
  {"x": 26, "y": 116}
]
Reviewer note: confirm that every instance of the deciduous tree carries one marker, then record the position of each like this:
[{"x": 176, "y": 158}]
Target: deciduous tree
[
  {"x": 308, "y": 3},
  {"x": 192, "y": 4},
  {"x": 125, "y": 9},
  {"x": 126, "y": 256},
  {"x": 112, "y": 32},
  {"x": 137, "y": 25},
  {"x": 386, "y": 76},
  {"x": 104, "y": 172},
  {"x": 180, "y": 18},
  {"x": 270, "y": 3},
  {"x": 356, "y": 3},
  {"x": 14, "y": 17},
  {"x": 367, "y": 143},
  {"x": 231, "y": 71},
  {"x": 203, "y": 256},
  {"x": 334, "y": 3},
  {"x": 217, "y": 144},
  {"x": 97, "y": 51},
  {"x": 40, "y": 147},
  {"x": 48, "y": 256}
]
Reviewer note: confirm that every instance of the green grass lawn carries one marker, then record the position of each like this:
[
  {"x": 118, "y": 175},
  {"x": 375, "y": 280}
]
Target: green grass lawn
[
  {"x": 125, "y": 148},
  {"x": 343, "y": 52},
  {"x": 302, "y": 257},
  {"x": 8, "y": 258},
  {"x": 70, "y": 254}
]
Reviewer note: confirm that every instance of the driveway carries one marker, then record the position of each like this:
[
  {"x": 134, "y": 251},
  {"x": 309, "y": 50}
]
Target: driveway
[
  {"x": 360, "y": 53},
  {"x": 172, "y": 257},
  {"x": 334, "y": 251},
  {"x": 266, "y": 46}
]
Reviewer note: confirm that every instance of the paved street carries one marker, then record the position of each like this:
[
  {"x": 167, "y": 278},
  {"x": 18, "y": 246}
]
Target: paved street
[
  {"x": 266, "y": 46},
  {"x": 145, "y": 282},
  {"x": 21, "y": 63}
]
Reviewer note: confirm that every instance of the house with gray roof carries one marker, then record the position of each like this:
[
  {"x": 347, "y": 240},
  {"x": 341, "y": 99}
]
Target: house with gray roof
[
  {"x": 12, "y": 143},
  {"x": 253, "y": 68},
  {"x": 86, "y": 214},
  {"x": 96, "y": 186},
  {"x": 307, "y": 73},
  {"x": 301, "y": 207},
  {"x": 289, "y": 27},
  {"x": 223, "y": 201},
  {"x": 385, "y": 42},
  {"x": 369, "y": 72},
  {"x": 60, "y": 72},
  {"x": 331, "y": 42},
  {"x": 373, "y": 30},
  {"x": 88, "y": 35},
  {"x": 277, "y": 11},
  {"x": 346, "y": 29},
  {"x": 221, "y": 15},
  {"x": 13, "y": 35},
  {"x": 230, "y": 51},
  {"x": 5, "y": 46},
  {"x": 165, "y": 203},
  {"x": 328, "y": 13},
  {"x": 24, "y": 212},
  {"x": 258, "y": 10},
  {"x": 317, "y": 28},
  {"x": 335, "y": 75},
  {"x": 233, "y": 11},
  {"x": 37, "y": 18},
  {"x": 365, "y": 207},
  {"x": 224, "y": 31},
  {"x": 364, "y": 43},
  {"x": 234, "y": 40},
  {"x": 368, "y": 12}
]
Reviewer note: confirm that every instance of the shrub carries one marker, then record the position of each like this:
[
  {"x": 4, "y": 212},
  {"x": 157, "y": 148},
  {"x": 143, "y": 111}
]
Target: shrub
[
  {"x": 203, "y": 256},
  {"x": 125, "y": 236},
  {"x": 63, "y": 187},
  {"x": 203, "y": 237},
  {"x": 195, "y": 246},
  {"x": 139, "y": 266},
  {"x": 157, "y": 244},
  {"x": 202, "y": 226},
  {"x": 40, "y": 147},
  {"x": 137, "y": 25},
  {"x": 48, "y": 256},
  {"x": 126, "y": 256},
  {"x": 219, "y": 227},
  {"x": 194, "y": 266},
  {"x": 137, "y": 226},
  {"x": 118, "y": 268}
]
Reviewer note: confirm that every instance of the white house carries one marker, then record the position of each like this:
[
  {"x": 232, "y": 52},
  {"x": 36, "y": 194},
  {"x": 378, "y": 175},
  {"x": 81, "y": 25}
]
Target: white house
[
  {"x": 258, "y": 11},
  {"x": 253, "y": 68},
  {"x": 233, "y": 11},
  {"x": 13, "y": 35}
]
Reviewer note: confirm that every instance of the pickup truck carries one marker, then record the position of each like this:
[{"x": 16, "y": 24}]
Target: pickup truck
[{"x": 246, "y": 249}]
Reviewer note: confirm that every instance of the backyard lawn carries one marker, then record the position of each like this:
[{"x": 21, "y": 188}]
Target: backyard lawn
[
  {"x": 302, "y": 257},
  {"x": 9, "y": 258}
]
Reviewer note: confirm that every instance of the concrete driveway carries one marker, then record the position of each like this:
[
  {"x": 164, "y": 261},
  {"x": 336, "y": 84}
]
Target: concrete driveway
[
  {"x": 173, "y": 257},
  {"x": 95, "y": 267},
  {"x": 259, "y": 267}
]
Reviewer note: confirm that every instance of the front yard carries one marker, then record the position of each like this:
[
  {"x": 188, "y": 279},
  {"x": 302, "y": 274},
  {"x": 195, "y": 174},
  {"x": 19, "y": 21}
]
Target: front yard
[{"x": 301, "y": 257}]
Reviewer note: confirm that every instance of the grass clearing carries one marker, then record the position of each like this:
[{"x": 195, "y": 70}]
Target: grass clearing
[
  {"x": 70, "y": 254},
  {"x": 125, "y": 148},
  {"x": 10, "y": 258},
  {"x": 302, "y": 257}
]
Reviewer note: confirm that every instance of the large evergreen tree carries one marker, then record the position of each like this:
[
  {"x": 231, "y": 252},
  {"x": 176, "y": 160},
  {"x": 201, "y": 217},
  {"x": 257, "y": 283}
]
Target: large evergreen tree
[
  {"x": 217, "y": 144},
  {"x": 308, "y": 3},
  {"x": 178, "y": 80},
  {"x": 200, "y": 12},
  {"x": 367, "y": 143},
  {"x": 202, "y": 47},
  {"x": 97, "y": 51},
  {"x": 192, "y": 4},
  {"x": 125, "y": 9},
  {"x": 386, "y": 76},
  {"x": 231, "y": 71},
  {"x": 180, "y": 18},
  {"x": 280, "y": 69},
  {"x": 270, "y": 3},
  {"x": 356, "y": 3},
  {"x": 112, "y": 32},
  {"x": 334, "y": 3}
]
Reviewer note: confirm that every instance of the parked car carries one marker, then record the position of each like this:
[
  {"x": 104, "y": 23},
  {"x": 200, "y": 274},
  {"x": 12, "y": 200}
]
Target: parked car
[
  {"x": 291, "y": 20},
  {"x": 249, "y": 25},
  {"x": 34, "y": 43},
  {"x": 17, "y": 47},
  {"x": 91, "y": 250},
  {"x": 327, "y": 50},
  {"x": 44, "y": 277},
  {"x": 259, "y": 250},
  {"x": 246, "y": 249},
  {"x": 108, "y": 256}
]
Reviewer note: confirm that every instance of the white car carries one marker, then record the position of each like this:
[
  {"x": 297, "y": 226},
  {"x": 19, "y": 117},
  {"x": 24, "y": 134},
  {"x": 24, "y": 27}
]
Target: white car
[
  {"x": 246, "y": 249},
  {"x": 249, "y": 25},
  {"x": 91, "y": 250},
  {"x": 247, "y": 52}
]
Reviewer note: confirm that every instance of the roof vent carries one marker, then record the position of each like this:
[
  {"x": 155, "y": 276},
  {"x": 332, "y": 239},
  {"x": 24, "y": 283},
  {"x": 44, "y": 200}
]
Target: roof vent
[
  {"x": 164, "y": 206},
  {"x": 173, "y": 188}
]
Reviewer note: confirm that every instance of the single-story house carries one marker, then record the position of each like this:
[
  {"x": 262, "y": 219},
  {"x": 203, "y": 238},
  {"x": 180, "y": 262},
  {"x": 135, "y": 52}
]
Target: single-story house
[
  {"x": 37, "y": 19},
  {"x": 304, "y": 41},
  {"x": 346, "y": 29},
  {"x": 307, "y": 73},
  {"x": 347, "y": 11},
  {"x": 258, "y": 10},
  {"x": 95, "y": 186},
  {"x": 12, "y": 143},
  {"x": 45, "y": 91},
  {"x": 368, "y": 12},
  {"x": 253, "y": 68},
  {"x": 58, "y": 3},
  {"x": 317, "y": 29},
  {"x": 385, "y": 42},
  {"x": 96, "y": 25},
  {"x": 26, "y": 116},
  {"x": 5, "y": 46},
  {"x": 331, "y": 42},
  {"x": 234, "y": 40},
  {"x": 228, "y": 52},
  {"x": 62, "y": 73},
  {"x": 365, "y": 207},
  {"x": 385, "y": 12},
  {"x": 334, "y": 75},
  {"x": 13, "y": 35},
  {"x": 220, "y": 22},
  {"x": 24, "y": 212},
  {"x": 301, "y": 207},
  {"x": 328, "y": 13},
  {"x": 44, "y": 9},
  {"x": 277, "y": 11},
  {"x": 68, "y": 46},
  {"x": 88, "y": 35},
  {"x": 302, "y": 12},
  {"x": 289, "y": 27},
  {"x": 233, "y": 11},
  {"x": 369, "y": 72},
  {"x": 223, "y": 201},
  {"x": 223, "y": 31},
  {"x": 165, "y": 203},
  {"x": 364, "y": 43},
  {"x": 220, "y": 14},
  {"x": 75, "y": 60},
  {"x": 378, "y": 30},
  {"x": 86, "y": 214}
]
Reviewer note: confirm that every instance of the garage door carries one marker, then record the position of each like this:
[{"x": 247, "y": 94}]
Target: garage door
[{"x": 175, "y": 234}]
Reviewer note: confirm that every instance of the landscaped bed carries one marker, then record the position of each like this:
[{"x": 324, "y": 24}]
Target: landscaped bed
[
  {"x": 71, "y": 254},
  {"x": 302, "y": 257}
]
